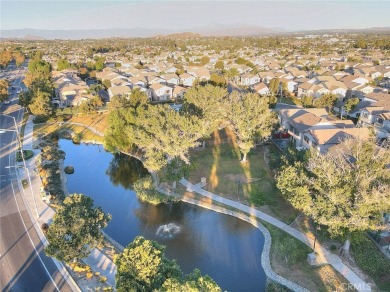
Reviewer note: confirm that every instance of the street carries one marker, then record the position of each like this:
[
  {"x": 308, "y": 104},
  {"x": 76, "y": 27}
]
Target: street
[{"x": 23, "y": 263}]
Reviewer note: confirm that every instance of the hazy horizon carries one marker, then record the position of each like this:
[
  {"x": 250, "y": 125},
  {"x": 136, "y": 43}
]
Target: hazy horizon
[{"x": 186, "y": 15}]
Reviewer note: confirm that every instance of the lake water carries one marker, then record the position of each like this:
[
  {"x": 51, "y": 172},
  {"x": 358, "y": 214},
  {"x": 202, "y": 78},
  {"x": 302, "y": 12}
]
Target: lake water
[{"x": 224, "y": 247}]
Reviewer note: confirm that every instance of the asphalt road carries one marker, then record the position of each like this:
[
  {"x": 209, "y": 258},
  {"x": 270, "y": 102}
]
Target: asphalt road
[{"x": 23, "y": 263}]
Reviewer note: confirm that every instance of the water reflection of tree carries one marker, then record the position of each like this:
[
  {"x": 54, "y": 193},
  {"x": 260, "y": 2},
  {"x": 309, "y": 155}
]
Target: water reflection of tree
[{"x": 124, "y": 170}]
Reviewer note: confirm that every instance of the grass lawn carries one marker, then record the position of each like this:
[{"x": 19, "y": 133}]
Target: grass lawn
[
  {"x": 97, "y": 121},
  {"x": 86, "y": 135},
  {"x": 251, "y": 183},
  {"x": 289, "y": 259}
]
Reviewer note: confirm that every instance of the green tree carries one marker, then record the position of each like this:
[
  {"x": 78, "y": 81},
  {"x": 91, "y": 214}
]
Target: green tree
[
  {"x": 41, "y": 105},
  {"x": 351, "y": 104},
  {"x": 206, "y": 102},
  {"x": 232, "y": 73},
  {"x": 219, "y": 65},
  {"x": 95, "y": 88},
  {"x": 99, "y": 64},
  {"x": 326, "y": 101},
  {"x": 75, "y": 230},
  {"x": 250, "y": 119},
  {"x": 307, "y": 101},
  {"x": 3, "y": 89},
  {"x": 19, "y": 58},
  {"x": 193, "y": 282},
  {"x": 5, "y": 58},
  {"x": 347, "y": 189},
  {"x": 143, "y": 267},
  {"x": 274, "y": 85},
  {"x": 107, "y": 83},
  {"x": 25, "y": 98},
  {"x": 63, "y": 64},
  {"x": 204, "y": 60},
  {"x": 117, "y": 102},
  {"x": 218, "y": 80}
]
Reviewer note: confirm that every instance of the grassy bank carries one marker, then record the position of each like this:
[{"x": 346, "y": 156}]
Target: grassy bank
[
  {"x": 372, "y": 261},
  {"x": 85, "y": 134},
  {"x": 289, "y": 258},
  {"x": 251, "y": 183}
]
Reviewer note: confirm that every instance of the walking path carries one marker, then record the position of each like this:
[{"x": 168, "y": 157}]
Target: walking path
[
  {"x": 323, "y": 257},
  {"x": 96, "y": 260}
]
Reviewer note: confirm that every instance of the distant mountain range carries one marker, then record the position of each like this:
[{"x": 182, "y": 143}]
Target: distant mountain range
[{"x": 139, "y": 32}]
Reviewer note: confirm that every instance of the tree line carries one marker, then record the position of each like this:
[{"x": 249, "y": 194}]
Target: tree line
[{"x": 162, "y": 136}]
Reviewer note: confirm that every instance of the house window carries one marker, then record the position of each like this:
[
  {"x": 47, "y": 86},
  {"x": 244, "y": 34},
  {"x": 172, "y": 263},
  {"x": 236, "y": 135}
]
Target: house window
[
  {"x": 306, "y": 139},
  {"x": 379, "y": 121},
  {"x": 365, "y": 115}
]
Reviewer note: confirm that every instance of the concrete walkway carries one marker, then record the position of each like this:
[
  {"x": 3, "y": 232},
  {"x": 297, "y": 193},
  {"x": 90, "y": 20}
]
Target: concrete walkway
[
  {"x": 324, "y": 256},
  {"x": 96, "y": 260}
]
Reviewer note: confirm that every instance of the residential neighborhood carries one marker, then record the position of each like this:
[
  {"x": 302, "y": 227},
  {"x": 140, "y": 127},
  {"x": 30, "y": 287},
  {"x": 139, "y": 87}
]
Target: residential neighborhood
[{"x": 169, "y": 146}]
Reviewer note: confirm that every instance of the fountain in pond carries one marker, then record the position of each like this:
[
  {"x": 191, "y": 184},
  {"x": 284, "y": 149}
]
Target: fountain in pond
[{"x": 168, "y": 230}]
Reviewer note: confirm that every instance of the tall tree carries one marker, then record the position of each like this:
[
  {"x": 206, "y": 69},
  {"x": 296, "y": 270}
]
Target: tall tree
[
  {"x": 274, "y": 86},
  {"x": 250, "y": 119},
  {"x": 219, "y": 65},
  {"x": 41, "y": 105},
  {"x": 19, "y": 58},
  {"x": 63, "y": 64},
  {"x": 347, "y": 189},
  {"x": 75, "y": 230},
  {"x": 206, "y": 102},
  {"x": 326, "y": 101},
  {"x": 3, "y": 89},
  {"x": 143, "y": 267},
  {"x": 5, "y": 58},
  {"x": 351, "y": 104}
]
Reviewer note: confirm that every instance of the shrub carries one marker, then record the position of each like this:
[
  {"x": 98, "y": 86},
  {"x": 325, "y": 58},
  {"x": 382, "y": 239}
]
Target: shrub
[
  {"x": 146, "y": 191},
  {"x": 69, "y": 169},
  {"x": 372, "y": 261},
  {"x": 26, "y": 153}
]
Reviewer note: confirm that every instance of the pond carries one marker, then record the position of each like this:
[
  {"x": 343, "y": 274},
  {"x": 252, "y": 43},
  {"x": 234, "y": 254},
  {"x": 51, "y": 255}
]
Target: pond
[{"x": 224, "y": 247}]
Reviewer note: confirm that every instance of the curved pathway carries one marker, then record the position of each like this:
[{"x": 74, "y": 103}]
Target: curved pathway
[{"x": 323, "y": 257}]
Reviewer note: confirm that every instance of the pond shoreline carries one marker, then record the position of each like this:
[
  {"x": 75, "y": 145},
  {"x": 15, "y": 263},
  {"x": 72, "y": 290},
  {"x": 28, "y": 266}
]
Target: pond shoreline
[{"x": 265, "y": 255}]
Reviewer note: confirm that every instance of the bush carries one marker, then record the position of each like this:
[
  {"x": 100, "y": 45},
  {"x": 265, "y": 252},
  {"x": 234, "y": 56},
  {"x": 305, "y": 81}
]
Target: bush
[
  {"x": 372, "y": 261},
  {"x": 26, "y": 153},
  {"x": 39, "y": 119},
  {"x": 146, "y": 191},
  {"x": 69, "y": 169}
]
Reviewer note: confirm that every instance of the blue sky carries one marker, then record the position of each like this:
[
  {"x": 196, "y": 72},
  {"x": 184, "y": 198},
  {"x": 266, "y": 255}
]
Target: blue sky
[{"x": 289, "y": 15}]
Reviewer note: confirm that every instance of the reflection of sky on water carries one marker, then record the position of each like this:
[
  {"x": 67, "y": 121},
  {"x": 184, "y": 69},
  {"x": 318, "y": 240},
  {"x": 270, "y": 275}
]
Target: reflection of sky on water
[{"x": 222, "y": 246}]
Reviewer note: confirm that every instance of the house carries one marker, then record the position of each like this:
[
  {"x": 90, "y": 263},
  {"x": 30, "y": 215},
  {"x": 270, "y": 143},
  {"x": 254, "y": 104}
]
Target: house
[
  {"x": 378, "y": 118},
  {"x": 171, "y": 79},
  {"x": 323, "y": 139},
  {"x": 291, "y": 85},
  {"x": 202, "y": 74},
  {"x": 70, "y": 89},
  {"x": 266, "y": 77},
  {"x": 261, "y": 88},
  {"x": 119, "y": 90},
  {"x": 178, "y": 92},
  {"x": 160, "y": 92},
  {"x": 249, "y": 79},
  {"x": 187, "y": 79},
  {"x": 296, "y": 121}
]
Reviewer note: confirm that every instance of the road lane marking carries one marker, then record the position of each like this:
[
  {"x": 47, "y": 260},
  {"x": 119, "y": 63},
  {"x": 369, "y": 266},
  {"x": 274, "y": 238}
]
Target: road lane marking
[{"x": 32, "y": 243}]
